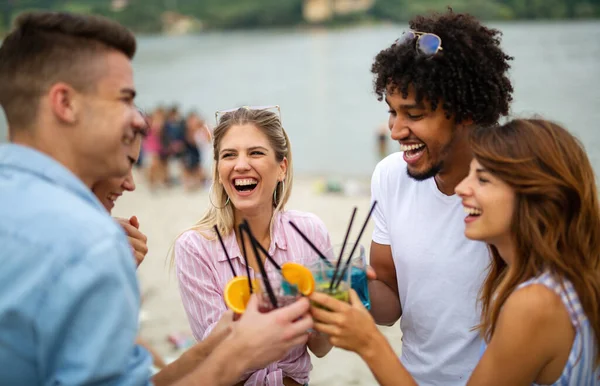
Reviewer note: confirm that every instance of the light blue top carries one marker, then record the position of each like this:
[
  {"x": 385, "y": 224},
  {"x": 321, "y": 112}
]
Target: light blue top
[
  {"x": 69, "y": 297},
  {"x": 580, "y": 369}
]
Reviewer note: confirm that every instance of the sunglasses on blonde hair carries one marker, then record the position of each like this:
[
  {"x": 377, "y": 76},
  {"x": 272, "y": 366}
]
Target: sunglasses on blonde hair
[{"x": 220, "y": 113}]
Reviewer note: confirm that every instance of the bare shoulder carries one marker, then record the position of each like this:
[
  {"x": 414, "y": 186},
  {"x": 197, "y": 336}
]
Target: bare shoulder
[
  {"x": 535, "y": 305},
  {"x": 536, "y": 316}
]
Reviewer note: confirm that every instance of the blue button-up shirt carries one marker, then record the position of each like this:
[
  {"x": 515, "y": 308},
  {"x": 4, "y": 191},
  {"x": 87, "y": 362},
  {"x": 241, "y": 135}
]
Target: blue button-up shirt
[{"x": 69, "y": 297}]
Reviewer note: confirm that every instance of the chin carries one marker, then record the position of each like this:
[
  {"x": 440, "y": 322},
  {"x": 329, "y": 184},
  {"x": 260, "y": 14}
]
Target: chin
[
  {"x": 422, "y": 175},
  {"x": 473, "y": 234}
]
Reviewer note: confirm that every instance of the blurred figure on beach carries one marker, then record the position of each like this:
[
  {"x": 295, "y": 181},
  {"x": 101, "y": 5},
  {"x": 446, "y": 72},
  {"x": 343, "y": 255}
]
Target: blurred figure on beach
[
  {"x": 173, "y": 143},
  {"x": 196, "y": 137},
  {"x": 153, "y": 147},
  {"x": 381, "y": 138}
]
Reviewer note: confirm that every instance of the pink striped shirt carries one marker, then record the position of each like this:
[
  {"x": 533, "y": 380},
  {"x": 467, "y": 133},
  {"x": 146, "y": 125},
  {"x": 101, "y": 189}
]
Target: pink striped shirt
[{"x": 203, "y": 272}]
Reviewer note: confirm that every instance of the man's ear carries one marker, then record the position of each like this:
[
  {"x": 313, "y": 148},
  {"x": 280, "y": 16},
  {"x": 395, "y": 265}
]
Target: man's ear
[{"x": 64, "y": 102}]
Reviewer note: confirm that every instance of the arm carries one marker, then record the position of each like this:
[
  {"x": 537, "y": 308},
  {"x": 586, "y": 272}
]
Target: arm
[
  {"x": 201, "y": 296},
  {"x": 351, "y": 327},
  {"x": 533, "y": 337},
  {"x": 256, "y": 340},
  {"x": 87, "y": 322},
  {"x": 196, "y": 355},
  {"x": 319, "y": 344},
  {"x": 385, "y": 300}
]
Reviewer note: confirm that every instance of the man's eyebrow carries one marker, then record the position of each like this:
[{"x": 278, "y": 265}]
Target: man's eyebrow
[
  {"x": 132, "y": 93},
  {"x": 409, "y": 106}
]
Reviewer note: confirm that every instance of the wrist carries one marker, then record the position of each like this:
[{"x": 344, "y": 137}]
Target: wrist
[
  {"x": 238, "y": 348},
  {"x": 369, "y": 351}
]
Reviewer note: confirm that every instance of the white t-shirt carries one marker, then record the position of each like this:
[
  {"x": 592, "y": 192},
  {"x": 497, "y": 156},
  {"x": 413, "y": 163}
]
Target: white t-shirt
[{"x": 439, "y": 273}]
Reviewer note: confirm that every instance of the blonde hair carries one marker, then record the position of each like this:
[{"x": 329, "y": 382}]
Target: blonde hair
[{"x": 220, "y": 213}]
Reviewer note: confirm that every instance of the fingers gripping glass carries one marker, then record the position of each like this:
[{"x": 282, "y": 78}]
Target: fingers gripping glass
[
  {"x": 426, "y": 43},
  {"x": 220, "y": 113}
]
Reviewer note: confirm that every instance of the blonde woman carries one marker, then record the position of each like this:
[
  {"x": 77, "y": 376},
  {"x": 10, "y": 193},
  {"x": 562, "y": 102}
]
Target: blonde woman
[{"x": 252, "y": 180}]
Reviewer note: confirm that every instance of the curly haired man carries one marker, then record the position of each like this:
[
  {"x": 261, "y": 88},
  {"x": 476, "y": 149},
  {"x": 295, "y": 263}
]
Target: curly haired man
[{"x": 444, "y": 76}]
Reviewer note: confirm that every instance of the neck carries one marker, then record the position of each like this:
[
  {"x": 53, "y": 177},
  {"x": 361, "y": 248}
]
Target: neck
[
  {"x": 506, "y": 249},
  {"x": 456, "y": 166},
  {"x": 259, "y": 224},
  {"x": 60, "y": 150}
]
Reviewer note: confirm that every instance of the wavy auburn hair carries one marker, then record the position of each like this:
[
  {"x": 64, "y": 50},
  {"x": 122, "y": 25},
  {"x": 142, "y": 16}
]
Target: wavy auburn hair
[{"x": 556, "y": 219}]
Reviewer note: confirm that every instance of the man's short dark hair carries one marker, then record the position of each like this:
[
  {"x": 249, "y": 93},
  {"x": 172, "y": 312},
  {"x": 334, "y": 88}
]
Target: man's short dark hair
[
  {"x": 468, "y": 76},
  {"x": 49, "y": 47}
]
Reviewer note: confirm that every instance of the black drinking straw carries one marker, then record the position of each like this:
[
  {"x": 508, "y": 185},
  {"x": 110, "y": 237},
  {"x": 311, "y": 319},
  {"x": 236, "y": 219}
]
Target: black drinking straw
[
  {"x": 355, "y": 245},
  {"x": 263, "y": 272},
  {"x": 337, "y": 265},
  {"x": 245, "y": 258},
  {"x": 311, "y": 244},
  {"x": 225, "y": 250},
  {"x": 262, "y": 249}
]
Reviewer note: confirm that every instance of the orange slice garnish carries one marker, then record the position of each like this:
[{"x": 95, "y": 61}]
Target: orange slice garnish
[
  {"x": 300, "y": 276},
  {"x": 237, "y": 294}
]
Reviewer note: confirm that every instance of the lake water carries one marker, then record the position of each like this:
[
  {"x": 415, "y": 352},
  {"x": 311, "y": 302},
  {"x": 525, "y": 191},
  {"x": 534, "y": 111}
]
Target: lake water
[{"x": 322, "y": 81}]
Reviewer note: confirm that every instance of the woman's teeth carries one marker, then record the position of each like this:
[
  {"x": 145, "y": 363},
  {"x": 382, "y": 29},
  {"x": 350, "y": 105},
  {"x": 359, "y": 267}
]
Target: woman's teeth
[
  {"x": 245, "y": 183},
  {"x": 472, "y": 211}
]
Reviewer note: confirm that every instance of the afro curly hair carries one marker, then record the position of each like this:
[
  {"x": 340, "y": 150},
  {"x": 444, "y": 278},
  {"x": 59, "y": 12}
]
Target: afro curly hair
[{"x": 468, "y": 77}]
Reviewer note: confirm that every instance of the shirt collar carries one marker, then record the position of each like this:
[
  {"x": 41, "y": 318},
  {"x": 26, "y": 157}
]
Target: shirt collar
[
  {"x": 36, "y": 163},
  {"x": 278, "y": 241}
]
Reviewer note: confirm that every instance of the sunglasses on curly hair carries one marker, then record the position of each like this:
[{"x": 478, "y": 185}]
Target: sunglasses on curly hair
[
  {"x": 220, "y": 113},
  {"x": 426, "y": 43}
]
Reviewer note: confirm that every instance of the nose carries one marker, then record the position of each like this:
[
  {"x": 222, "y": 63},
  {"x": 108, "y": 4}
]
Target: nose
[
  {"x": 139, "y": 120},
  {"x": 242, "y": 163},
  {"x": 463, "y": 189},
  {"x": 128, "y": 183},
  {"x": 399, "y": 130}
]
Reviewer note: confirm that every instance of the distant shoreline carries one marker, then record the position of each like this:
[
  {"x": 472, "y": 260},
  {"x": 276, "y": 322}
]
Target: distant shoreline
[{"x": 341, "y": 25}]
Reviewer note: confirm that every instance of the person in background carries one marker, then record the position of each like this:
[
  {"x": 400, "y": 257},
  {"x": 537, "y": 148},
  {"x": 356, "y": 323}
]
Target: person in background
[
  {"x": 154, "y": 151},
  {"x": 192, "y": 168}
]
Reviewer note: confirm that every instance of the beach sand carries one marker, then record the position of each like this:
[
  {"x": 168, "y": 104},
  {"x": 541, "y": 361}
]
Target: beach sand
[{"x": 163, "y": 214}]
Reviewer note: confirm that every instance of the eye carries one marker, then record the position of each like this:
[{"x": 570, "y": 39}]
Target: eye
[
  {"x": 415, "y": 117},
  {"x": 127, "y": 100},
  {"x": 482, "y": 181},
  {"x": 227, "y": 155},
  {"x": 143, "y": 132},
  {"x": 257, "y": 152},
  {"x": 391, "y": 112}
]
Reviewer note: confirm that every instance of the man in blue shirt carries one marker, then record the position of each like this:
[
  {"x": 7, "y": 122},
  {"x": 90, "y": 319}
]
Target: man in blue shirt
[{"x": 69, "y": 297}]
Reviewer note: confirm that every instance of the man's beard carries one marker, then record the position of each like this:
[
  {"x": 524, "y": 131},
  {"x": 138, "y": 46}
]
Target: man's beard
[{"x": 427, "y": 174}]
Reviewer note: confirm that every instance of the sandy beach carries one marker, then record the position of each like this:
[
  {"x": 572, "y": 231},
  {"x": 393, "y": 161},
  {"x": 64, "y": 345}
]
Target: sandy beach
[{"x": 163, "y": 214}]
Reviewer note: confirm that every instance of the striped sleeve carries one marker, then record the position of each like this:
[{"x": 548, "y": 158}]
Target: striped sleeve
[{"x": 200, "y": 294}]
